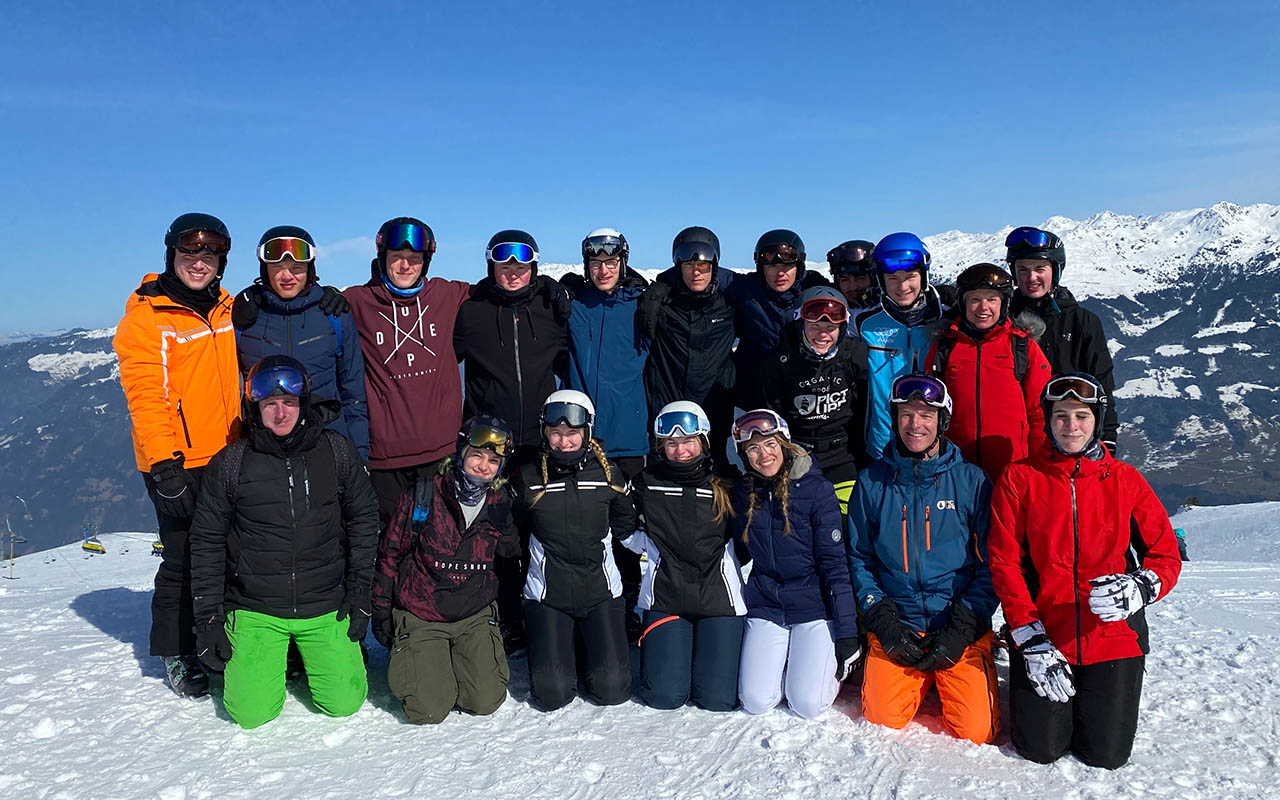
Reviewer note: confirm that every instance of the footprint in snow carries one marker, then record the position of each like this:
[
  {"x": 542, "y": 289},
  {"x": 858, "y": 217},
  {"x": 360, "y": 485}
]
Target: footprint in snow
[
  {"x": 338, "y": 737},
  {"x": 592, "y": 773},
  {"x": 46, "y": 729}
]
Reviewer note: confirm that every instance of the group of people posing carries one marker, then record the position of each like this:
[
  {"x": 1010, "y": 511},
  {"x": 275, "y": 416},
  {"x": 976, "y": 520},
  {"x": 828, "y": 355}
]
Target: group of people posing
[{"x": 909, "y": 458}]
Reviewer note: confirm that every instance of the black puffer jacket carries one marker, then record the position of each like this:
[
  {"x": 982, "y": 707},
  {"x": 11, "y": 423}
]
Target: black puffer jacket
[
  {"x": 1072, "y": 339},
  {"x": 570, "y": 517},
  {"x": 299, "y": 535},
  {"x": 693, "y": 569},
  {"x": 513, "y": 346},
  {"x": 691, "y": 352}
]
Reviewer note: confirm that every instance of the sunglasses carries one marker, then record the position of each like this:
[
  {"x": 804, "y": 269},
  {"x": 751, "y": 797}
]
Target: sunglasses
[
  {"x": 506, "y": 251},
  {"x": 680, "y": 423},
  {"x": 274, "y": 250},
  {"x": 1068, "y": 386},
  {"x": 487, "y": 436},
  {"x": 193, "y": 242},
  {"x": 277, "y": 380},
  {"x": 828, "y": 308},
  {"x": 1033, "y": 238},
  {"x": 761, "y": 422},
  {"x": 407, "y": 236}
]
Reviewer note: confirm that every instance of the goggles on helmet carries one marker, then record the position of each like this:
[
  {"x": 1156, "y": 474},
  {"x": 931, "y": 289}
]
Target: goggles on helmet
[
  {"x": 274, "y": 250},
  {"x": 277, "y": 380},
  {"x": 778, "y": 254},
  {"x": 1033, "y": 238},
  {"x": 491, "y": 438},
  {"x": 680, "y": 423},
  {"x": 818, "y": 308},
  {"x": 571, "y": 414},
  {"x": 406, "y": 236},
  {"x": 1066, "y": 386},
  {"x": 192, "y": 242},
  {"x": 607, "y": 245},
  {"x": 848, "y": 255},
  {"x": 929, "y": 389},
  {"x": 899, "y": 260},
  {"x": 761, "y": 422},
  {"x": 506, "y": 251},
  {"x": 694, "y": 251}
]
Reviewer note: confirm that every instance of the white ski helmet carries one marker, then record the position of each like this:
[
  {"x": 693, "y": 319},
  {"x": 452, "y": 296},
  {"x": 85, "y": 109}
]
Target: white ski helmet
[
  {"x": 571, "y": 407},
  {"x": 683, "y": 418}
]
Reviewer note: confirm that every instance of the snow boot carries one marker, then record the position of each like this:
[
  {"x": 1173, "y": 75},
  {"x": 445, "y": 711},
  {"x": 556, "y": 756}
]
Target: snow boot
[{"x": 185, "y": 676}]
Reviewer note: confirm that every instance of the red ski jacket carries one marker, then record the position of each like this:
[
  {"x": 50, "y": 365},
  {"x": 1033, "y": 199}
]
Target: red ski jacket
[
  {"x": 997, "y": 419},
  {"x": 1056, "y": 523}
]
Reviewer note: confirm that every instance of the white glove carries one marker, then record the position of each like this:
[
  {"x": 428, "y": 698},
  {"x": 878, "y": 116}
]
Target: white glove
[
  {"x": 1048, "y": 671},
  {"x": 1115, "y": 597}
]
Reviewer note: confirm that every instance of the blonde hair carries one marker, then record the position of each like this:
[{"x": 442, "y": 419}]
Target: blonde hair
[
  {"x": 597, "y": 449},
  {"x": 782, "y": 484}
]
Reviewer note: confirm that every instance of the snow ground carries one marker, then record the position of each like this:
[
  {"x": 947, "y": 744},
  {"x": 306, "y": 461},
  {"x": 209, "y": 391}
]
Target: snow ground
[{"x": 84, "y": 713}]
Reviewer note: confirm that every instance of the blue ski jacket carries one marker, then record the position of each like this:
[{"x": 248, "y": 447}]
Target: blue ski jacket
[
  {"x": 607, "y": 353},
  {"x": 917, "y": 534},
  {"x": 328, "y": 347},
  {"x": 803, "y": 575}
]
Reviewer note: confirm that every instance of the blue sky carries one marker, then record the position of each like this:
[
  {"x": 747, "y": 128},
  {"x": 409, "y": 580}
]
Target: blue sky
[{"x": 840, "y": 120}]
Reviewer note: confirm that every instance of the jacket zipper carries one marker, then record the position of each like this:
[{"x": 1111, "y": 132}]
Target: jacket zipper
[
  {"x": 515, "y": 339},
  {"x": 928, "y": 540},
  {"x": 1075, "y": 559},
  {"x": 905, "y": 569},
  {"x": 186, "y": 434},
  {"x": 977, "y": 401},
  {"x": 293, "y": 544}
]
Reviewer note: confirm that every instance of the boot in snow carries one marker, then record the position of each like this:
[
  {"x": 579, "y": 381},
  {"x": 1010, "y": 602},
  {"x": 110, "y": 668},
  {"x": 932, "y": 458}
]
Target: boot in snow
[{"x": 185, "y": 676}]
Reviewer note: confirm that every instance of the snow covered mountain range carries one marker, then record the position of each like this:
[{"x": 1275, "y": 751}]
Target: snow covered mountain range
[{"x": 1189, "y": 299}]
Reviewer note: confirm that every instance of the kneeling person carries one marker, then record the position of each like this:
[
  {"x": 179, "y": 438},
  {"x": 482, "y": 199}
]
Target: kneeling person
[
  {"x": 435, "y": 590},
  {"x": 282, "y": 548}
]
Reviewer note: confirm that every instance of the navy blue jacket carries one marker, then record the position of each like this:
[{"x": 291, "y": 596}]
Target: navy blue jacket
[
  {"x": 607, "y": 352},
  {"x": 918, "y": 535},
  {"x": 804, "y": 575},
  {"x": 300, "y": 329}
]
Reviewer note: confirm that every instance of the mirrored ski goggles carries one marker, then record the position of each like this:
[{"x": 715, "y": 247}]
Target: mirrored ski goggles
[
  {"x": 929, "y": 389},
  {"x": 828, "y": 308},
  {"x": 694, "y": 251},
  {"x": 571, "y": 414},
  {"x": 407, "y": 236},
  {"x": 487, "y": 436},
  {"x": 680, "y": 423},
  {"x": 602, "y": 246},
  {"x": 761, "y": 422},
  {"x": 1031, "y": 237},
  {"x": 192, "y": 242},
  {"x": 277, "y": 380},
  {"x": 845, "y": 254},
  {"x": 1061, "y": 388},
  {"x": 274, "y": 250},
  {"x": 778, "y": 254},
  {"x": 506, "y": 251},
  {"x": 899, "y": 260}
]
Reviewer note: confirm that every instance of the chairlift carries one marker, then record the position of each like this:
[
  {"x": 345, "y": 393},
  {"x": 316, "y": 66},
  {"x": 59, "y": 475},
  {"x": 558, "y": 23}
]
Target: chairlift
[
  {"x": 92, "y": 545},
  {"x": 157, "y": 549}
]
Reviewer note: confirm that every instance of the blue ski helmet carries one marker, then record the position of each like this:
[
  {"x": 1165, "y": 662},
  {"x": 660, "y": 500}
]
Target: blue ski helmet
[{"x": 901, "y": 251}]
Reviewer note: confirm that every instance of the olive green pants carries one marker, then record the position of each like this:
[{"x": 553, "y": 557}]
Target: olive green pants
[{"x": 437, "y": 666}]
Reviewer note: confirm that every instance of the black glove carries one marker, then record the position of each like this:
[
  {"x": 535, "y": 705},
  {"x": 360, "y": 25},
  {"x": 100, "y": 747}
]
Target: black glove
[
  {"x": 213, "y": 648},
  {"x": 175, "y": 489},
  {"x": 333, "y": 303},
  {"x": 901, "y": 644},
  {"x": 244, "y": 310},
  {"x": 848, "y": 651},
  {"x": 383, "y": 628},
  {"x": 946, "y": 646},
  {"x": 358, "y": 605}
]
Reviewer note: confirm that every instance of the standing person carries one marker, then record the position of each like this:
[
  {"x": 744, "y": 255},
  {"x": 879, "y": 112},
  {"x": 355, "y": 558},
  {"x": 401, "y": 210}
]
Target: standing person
[
  {"x": 177, "y": 352},
  {"x": 282, "y": 549},
  {"x": 853, "y": 270},
  {"x": 816, "y": 378},
  {"x": 435, "y": 591},
  {"x": 1080, "y": 545},
  {"x": 995, "y": 371},
  {"x": 918, "y": 542},
  {"x": 802, "y": 627},
  {"x": 1070, "y": 335},
  {"x": 691, "y": 330},
  {"x": 692, "y": 591},
  {"x": 573, "y": 501},
  {"x": 286, "y": 310},
  {"x": 405, "y": 321},
  {"x": 897, "y": 333}
]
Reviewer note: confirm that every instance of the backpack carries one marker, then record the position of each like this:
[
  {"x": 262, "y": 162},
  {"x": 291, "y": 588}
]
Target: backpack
[
  {"x": 234, "y": 456},
  {"x": 1021, "y": 356}
]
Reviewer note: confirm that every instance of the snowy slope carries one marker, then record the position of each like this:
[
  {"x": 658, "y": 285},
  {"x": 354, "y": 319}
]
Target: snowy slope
[{"x": 84, "y": 713}]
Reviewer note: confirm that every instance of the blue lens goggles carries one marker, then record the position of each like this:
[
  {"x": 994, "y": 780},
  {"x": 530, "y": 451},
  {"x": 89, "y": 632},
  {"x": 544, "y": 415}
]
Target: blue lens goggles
[
  {"x": 407, "y": 236},
  {"x": 680, "y": 423},
  {"x": 506, "y": 251},
  {"x": 277, "y": 380},
  {"x": 899, "y": 260},
  {"x": 1034, "y": 238}
]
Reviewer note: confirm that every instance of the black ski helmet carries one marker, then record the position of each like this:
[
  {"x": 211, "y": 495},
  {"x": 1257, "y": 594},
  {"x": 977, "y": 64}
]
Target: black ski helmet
[
  {"x": 1029, "y": 242},
  {"x": 511, "y": 236},
  {"x": 497, "y": 427},
  {"x": 853, "y": 257},
  {"x": 194, "y": 221},
  {"x": 987, "y": 276},
  {"x": 281, "y": 231},
  {"x": 789, "y": 242},
  {"x": 695, "y": 243},
  {"x": 287, "y": 371},
  {"x": 379, "y": 265}
]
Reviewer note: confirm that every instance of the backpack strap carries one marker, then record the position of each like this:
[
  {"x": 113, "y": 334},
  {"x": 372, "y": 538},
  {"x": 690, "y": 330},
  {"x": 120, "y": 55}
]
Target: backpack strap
[
  {"x": 232, "y": 457},
  {"x": 940, "y": 356},
  {"x": 336, "y": 322},
  {"x": 424, "y": 491},
  {"x": 1021, "y": 356}
]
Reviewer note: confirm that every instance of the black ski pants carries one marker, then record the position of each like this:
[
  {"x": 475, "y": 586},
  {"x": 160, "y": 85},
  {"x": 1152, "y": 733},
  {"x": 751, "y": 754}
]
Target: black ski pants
[
  {"x": 684, "y": 658},
  {"x": 1097, "y": 725},
  {"x": 173, "y": 619},
  {"x": 553, "y": 670},
  {"x": 628, "y": 563}
]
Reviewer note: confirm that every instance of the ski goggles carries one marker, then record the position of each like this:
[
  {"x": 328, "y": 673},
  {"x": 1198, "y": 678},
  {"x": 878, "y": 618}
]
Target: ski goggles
[
  {"x": 275, "y": 250},
  {"x": 490, "y": 438},
  {"x": 277, "y": 380},
  {"x": 929, "y": 389},
  {"x": 695, "y": 251},
  {"x": 1033, "y": 238},
  {"x": 602, "y": 245},
  {"x": 193, "y": 242},
  {"x": 828, "y": 308},
  {"x": 506, "y": 251},
  {"x": 1065, "y": 386},
  {"x": 848, "y": 255},
  {"x": 761, "y": 422},
  {"x": 571, "y": 414},
  {"x": 778, "y": 254},
  {"x": 680, "y": 423},
  {"x": 407, "y": 236},
  {"x": 899, "y": 260}
]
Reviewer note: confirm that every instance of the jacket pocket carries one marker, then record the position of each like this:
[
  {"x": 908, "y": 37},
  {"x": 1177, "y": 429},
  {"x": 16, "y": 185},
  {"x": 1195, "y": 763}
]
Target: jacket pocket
[{"x": 186, "y": 432}]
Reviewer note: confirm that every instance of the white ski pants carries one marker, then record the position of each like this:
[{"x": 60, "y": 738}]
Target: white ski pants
[{"x": 795, "y": 661}]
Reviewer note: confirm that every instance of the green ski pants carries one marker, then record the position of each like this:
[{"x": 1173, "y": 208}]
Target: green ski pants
[{"x": 435, "y": 666}]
